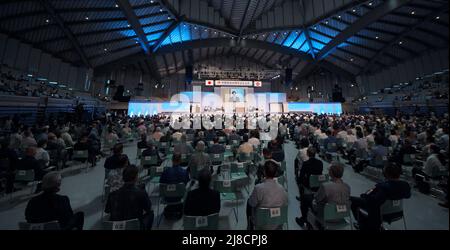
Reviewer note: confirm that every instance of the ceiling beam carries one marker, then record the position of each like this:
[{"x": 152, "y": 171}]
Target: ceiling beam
[
  {"x": 308, "y": 40},
  {"x": 401, "y": 35},
  {"x": 241, "y": 26},
  {"x": 65, "y": 10},
  {"x": 305, "y": 29},
  {"x": 352, "y": 29},
  {"x": 360, "y": 24},
  {"x": 166, "y": 33},
  {"x": 170, "y": 9},
  {"x": 312, "y": 22},
  {"x": 51, "y": 11},
  {"x": 98, "y": 32},
  {"x": 225, "y": 30},
  {"x": 226, "y": 42},
  {"x": 133, "y": 20}
]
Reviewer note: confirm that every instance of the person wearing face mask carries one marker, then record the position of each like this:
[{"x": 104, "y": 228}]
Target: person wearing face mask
[{"x": 50, "y": 206}]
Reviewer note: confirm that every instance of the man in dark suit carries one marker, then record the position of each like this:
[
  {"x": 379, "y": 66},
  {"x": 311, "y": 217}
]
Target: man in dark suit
[
  {"x": 130, "y": 202},
  {"x": 234, "y": 137},
  {"x": 391, "y": 189},
  {"x": 202, "y": 201},
  {"x": 210, "y": 134},
  {"x": 216, "y": 148},
  {"x": 174, "y": 175},
  {"x": 143, "y": 142},
  {"x": 310, "y": 167},
  {"x": 113, "y": 161},
  {"x": 49, "y": 206},
  {"x": 406, "y": 148},
  {"x": 153, "y": 152},
  {"x": 8, "y": 162},
  {"x": 83, "y": 144},
  {"x": 267, "y": 154}
]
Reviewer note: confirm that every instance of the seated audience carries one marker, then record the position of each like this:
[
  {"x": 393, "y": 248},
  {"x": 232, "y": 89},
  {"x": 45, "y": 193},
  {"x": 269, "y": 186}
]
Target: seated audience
[
  {"x": 174, "y": 175},
  {"x": 50, "y": 206},
  {"x": 310, "y": 167},
  {"x": 41, "y": 154},
  {"x": 390, "y": 189},
  {"x": 199, "y": 159},
  {"x": 8, "y": 163},
  {"x": 202, "y": 201},
  {"x": 114, "y": 176},
  {"x": 183, "y": 147},
  {"x": 268, "y": 194},
  {"x": 113, "y": 161},
  {"x": 143, "y": 142},
  {"x": 152, "y": 151},
  {"x": 130, "y": 201},
  {"x": 216, "y": 148},
  {"x": 335, "y": 191},
  {"x": 245, "y": 147}
]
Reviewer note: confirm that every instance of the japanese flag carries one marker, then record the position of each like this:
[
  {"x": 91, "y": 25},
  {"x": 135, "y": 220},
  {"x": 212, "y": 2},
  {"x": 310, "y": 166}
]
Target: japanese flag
[
  {"x": 258, "y": 83},
  {"x": 209, "y": 82}
]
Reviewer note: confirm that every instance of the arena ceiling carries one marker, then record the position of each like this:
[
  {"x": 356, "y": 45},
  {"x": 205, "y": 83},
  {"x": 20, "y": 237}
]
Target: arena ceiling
[{"x": 347, "y": 37}]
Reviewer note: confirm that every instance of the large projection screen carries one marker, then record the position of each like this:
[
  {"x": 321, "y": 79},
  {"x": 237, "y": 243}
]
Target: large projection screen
[{"x": 319, "y": 108}]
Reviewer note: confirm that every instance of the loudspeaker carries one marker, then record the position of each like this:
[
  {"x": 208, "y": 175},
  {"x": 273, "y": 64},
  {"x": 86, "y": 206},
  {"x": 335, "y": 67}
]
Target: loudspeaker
[
  {"x": 118, "y": 96},
  {"x": 189, "y": 74},
  {"x": 110, "y": 83},
  {"x": 337, "y": 97},
  {"x": 288, "y": 76}
]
